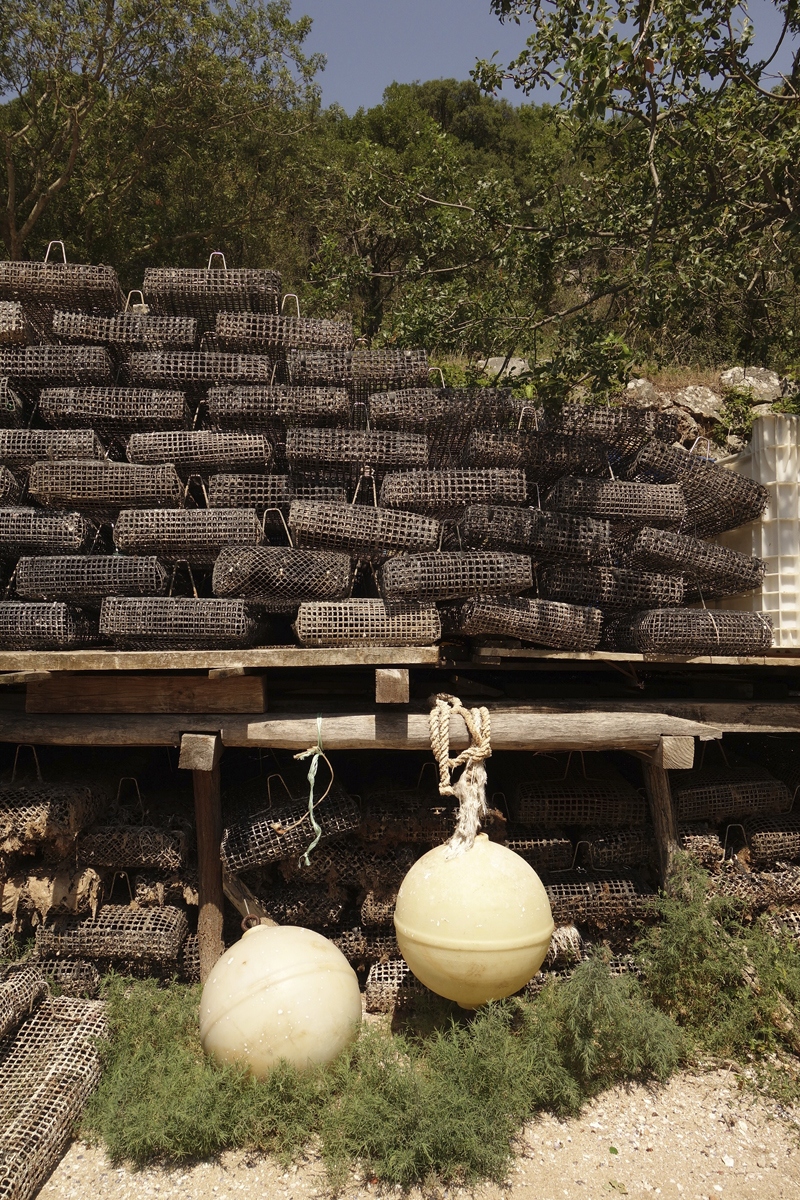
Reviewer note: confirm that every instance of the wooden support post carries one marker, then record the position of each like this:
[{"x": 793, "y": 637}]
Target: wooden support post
[
  {"x": 659, "y": 795},
  {"x": 200, "y": 753},
  {"x": 392, "y": 686}
]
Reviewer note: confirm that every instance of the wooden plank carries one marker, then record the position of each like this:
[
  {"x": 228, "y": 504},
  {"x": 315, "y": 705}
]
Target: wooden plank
[
  {"x": 200, "y": 751},
  {"x": 659, "y": 795},
  {"x": 208, "y": 829},
  {"x": 496, "y": 654},
  {"x": 675, "y": 753},
  {"x": 392, "y": 685},
  {"x": 205, "y": 660},
  {"x": 119, "y": 693},
  {"x": 24, "y": 677}
]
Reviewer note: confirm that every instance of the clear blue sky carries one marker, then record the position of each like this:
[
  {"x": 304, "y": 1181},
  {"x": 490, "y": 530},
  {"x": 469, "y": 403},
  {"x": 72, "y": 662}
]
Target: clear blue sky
[{"x": 371, "y": 43}]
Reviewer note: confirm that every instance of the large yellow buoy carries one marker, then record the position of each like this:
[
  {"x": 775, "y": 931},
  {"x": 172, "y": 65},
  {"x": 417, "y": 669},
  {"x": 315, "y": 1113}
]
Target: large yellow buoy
[
  {"x": 475, "y": 927},
  {"x": 282, "y": 992}
]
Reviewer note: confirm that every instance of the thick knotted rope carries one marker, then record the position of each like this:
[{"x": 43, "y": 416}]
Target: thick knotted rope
[{"x": 470, "y": 788}]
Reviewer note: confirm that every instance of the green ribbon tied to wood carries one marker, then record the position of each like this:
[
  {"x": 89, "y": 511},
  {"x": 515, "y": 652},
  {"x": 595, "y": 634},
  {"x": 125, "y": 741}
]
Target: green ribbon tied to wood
[{"x": 315, "y": 753}]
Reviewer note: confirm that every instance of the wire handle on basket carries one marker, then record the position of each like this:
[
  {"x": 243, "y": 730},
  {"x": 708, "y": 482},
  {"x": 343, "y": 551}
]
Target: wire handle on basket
[
  {"x": 368, "y": 474},
  {"x": 131, "y": 779},
  {"x": 27, "y": 746},
  {"x": 50, "y": 247},
  {"x": 470, "y": 788},
  {"x": 216, "y": 254},
  {"x": 528, "y": 408},
  {"x": 283, "y": 523},
  {"x": 134, "y": 292},
  {"x": 433, "y": 370},
  {"x": 291, "y": 296}
]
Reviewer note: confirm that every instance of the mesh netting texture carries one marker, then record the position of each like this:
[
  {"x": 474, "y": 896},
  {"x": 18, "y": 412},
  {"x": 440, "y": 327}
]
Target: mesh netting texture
[
  {"x": 34, "y": 814},
  {"x": 152, "y": 935},
  {"x": 19, "y": 995},
  {"x": 544, "y": 622},
  {"x": 101, "y": 489},
  {"x": 698, "y": 631},
  {"x": 196, "y": 368},
  {"x": 377, "y": 909},
  {"x": 9, "y": 488},
  {"x": 544, "y": 850},
  {"x": 258, "y": 492},
  {"x": 346, "y": 451},
  {"x": 391, "y": 985},
  {"x": 717, "y": 499},
  {"x": 396, "y": 815},
  {"x": 707, "y": 568},
  {"x": 609, "y": 587},
  {"x": 180, "y": 622},
  {"x": 13, "y": 326},
  {"x": 30, "y": 625},
  {"x": 127, "y": 329},
  {"x": 370, "y": 534},
  {"x": 447, "y": 493},
  {"x": 659, "y": 505},
  {"x": 544, "y": 535},
  {"x": 12, "y": 409},
  {"x": 113, "y": 410},
  {"x": 350, "y": 864},
  {"x": 29, "y": 531},
  {"x": 595, "y": 899},
  {"x": 320, "y": 368},
  {"x": 196, "y": 536},
  {"x": 63, "y": 285},
  {"x": 454, "y": 575},
  {"x": 263, "y": 331},
  {"x": 284, "y": 829},
  {"x": 48, "y": 1070},
  {"x": 543, "y": 457},
  {"x": 577, "y": 800},
  {"x": 305, "y": 904},
  {"x": 606, "y": 849},
  {"x": 202, "y": 293},
  {"x": 127, "y": 846},
  {"x": 58, "y": 364},
  {"x": 195, "y": 451},
  {"x": 89, "y": 579},
  {"x": 623, "y": 428},
  {"x": 723, "y": 793},
  {"x": 773, "y": 839},
  {"x": 276, "y": 407},
  {"x": 761, "y": 890},
  {"x": 24, "y": 447},
  {"x": 280, "y": 577},
  {"x": 365, "y": 621},
  {"x": 388, "y": 368},
  {"x": 703, "y": 842}
]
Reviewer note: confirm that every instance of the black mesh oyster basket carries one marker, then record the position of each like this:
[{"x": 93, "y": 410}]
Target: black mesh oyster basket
[
  {"x": 125, "y": 847},
  {"x": 454, "y": 575},
  {"x": 127, "y": 329},
  {"x": 13, "y": 325},
  {"x": 12, "y": 408},
  {"x": 446, "y": 493},
  {"x": 598, "y": 899},
  {"x": 707, "y": 568},
  {"x": 623, "y": 428},
  {"x": 280, "y": 577},
  {"x": 542, "y": 849},
  {"x": 387, "y": 367},
  {"x": 305, "y": 904},
  {"x": 191, "y": 369},
  {"x": 198, "y": 451},
  {"x": 101, "y": 489},
  {"x": 391, "y": 987},
  {"x": 609, "y": 587},
  {"x": 445, "y": 415},
  {"x": 370, "y": 534},
  {"x": 737, "y": 789},
  {"x": 33, "y": 815},
  {"x": 204, "y": 292},
  {"x": 599, "y": 797},
  {"x": 23, "y": 447},
  {"x": 179, "y": 622},
  {"x": 543, "y": 622},
  {"x": 256, "y": 332},
  {"x": 57, "y": 364},
  {"x": 61, "y": 285},
  {"x": 30, "y": 531},
  {"x": 606, "y": 849},
  {"x": 27, "y": 625},
  {"x": 88, "y": 579},
  {"x": 544, "y": 457},
  {"x": 113, "y": 410},
  {"x": 258, "y": 492},
  {"x": 347, "y": 451},
  {"x": 700, "y": 631},
  {"x": 544, "y": 535},
  {"x": 271, "y": 408},
  {"x": 717, "y": 499},
  {"x": 773, "y": 839},
  {"x": 625, "y": 503},
  {"x": 9, "y": 488},
  {"x": 283, "y": 830},
  {"x": 701, "y": 840},
  {"x": 196, "y": 536},
  {"x": 117, "y": 932},
  {"x": 315, "y": 368},
  {"x": 367, "y": 622}
]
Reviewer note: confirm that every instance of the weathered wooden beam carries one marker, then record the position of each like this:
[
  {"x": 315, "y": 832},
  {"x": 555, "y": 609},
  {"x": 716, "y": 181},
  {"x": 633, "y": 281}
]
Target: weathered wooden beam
[
  {"x": 392, "y": 685},
  {"x": 659, "y": 796},
  {"x": 128, "y": 693},
  {"x": 24, "y": 677},
  {"x": 204, "y": 660},
  {"x": 675, "y": 753},
  {"x": 201, "y": 753}
]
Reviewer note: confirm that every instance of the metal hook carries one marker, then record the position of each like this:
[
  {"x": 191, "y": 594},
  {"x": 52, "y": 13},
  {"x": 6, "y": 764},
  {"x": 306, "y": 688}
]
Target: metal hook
[
  {"x": 121, "y": 875},
  {"x": 361, "y": 404},
  {"x": 422, "y": 770},
  {"x": 528, "y": 408},
  {"x": 368, "y": 474},
  {"x": 131, "y": 779},
  {"x": 276, "y": 775},
  {"x": 728, "y": 828},
  {"x": 50, "y": 247},
  {"x": 433, "y": 370},
  {"x": 291, "y": 296},
  {"x": 217, "y": 254},
  {"x": 135, "y": 292},
  {"x": 283, "y": 523}
]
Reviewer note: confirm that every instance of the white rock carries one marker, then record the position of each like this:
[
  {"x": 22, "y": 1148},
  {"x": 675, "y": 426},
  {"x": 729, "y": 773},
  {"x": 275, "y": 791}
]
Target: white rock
[
  {"x": 734, "y": 443},
  {"x": 514, "y": 366},
  {"x": 764, "y": 385},
  {"x": 761, "y": 410},
  {"x": 699, "y": 400},
  {"x": 641, "y": 393}
]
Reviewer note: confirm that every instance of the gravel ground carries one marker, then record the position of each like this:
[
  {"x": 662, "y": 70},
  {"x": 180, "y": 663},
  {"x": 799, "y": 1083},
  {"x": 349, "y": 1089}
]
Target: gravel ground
[{"x": 697, "y": 1138}]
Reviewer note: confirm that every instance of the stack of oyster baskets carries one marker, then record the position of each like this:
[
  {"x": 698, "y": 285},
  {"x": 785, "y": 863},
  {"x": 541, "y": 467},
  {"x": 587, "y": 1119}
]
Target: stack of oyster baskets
[{"x": 198, "y": 470}]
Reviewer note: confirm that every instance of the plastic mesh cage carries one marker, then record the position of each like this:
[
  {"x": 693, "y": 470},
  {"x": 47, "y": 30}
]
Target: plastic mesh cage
[
  {"x": 314, "y": 368},
  {"x": 602, "y": 900},
  {"x": 258, "y": 492},
  {"x": 544, "y": 535},
  {"x": 370, "y": 534},
  {"x": 447, "y": 493},
  {"x": 660, "y": 505},
  {"x": 391, "y": 986},
  {"x": 48, "y": 1069},
  {"x": 28, "y": 625},
  {"x": 187, "y": 368},
  {"x": 12, "y": 409},
  {"x": 389, "y": 368},
  {"x": 345, "y": 451},
  {"x": 623, "y": 428},
  {"x": 9, "y": 488},
  {"x": 773, "y": 839},
  {"x": 710, "y": 569},
  {"x": 723, "y": 793},
  {"x": 196, "y": 451},
  {"x": 446, "y": 415},
  {"x": 102, "y": 488},
  {"x": 544, "y": 457},
  {"x": 544, "y": 850},
  {"x": 19, "y": 994},
  {"x": 179, "y": 622},
  {"x": 88, "y": 579},
  {"x": 126, "y": 846},
  {"x": 617, "y": 965},
  {"x": 610, "y": 587},
  {"x": 392, "y": 814},
  {"x": 271, "y": 407},
  {"x": 454, "y": 575},
  {"x": 127, "y": 329},
  {"x": 23, "y": 447},
  {"x": 608, "y": 848},
  {"x": 13, "y": 326},
  {"x": 280, "y": 577},
  {"x": 72, "y": 978},
  {"x": 57, "y": 364},
  {"x": 276, "y": 833},
  {"x": 366, "y": 621},
  {"x": 264, "y": 331},
  {"x": 377, "y": 909},
  {"x": 717, "y": 499},
  {"x": 703, "y": 842},
  {"x": 61, "y": 285},
  {"x": 787, "y": 924},
  {"x": 545, "y": 622},
  {"x": 202, "y": 293},
  {"x": 305, "y": 904},
  {"x": 155, "y": 887},
  {"x": 29, "y": 531},
  {"x": 761, "y": 890},
  {"x": 194, "y": 535},
  {"x": 698, "y": 631},
  {"x": 350, "y": 864},
  {"x": 113, "y": 410},
  {"x": 118, "y": 932},
  {"x": 577, "y": 800}
]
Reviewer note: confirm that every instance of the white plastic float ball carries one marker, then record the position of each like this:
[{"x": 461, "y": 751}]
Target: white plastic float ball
[
  {"x": 282, "y": 992},
  {"x": 473, "y": 928}
]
